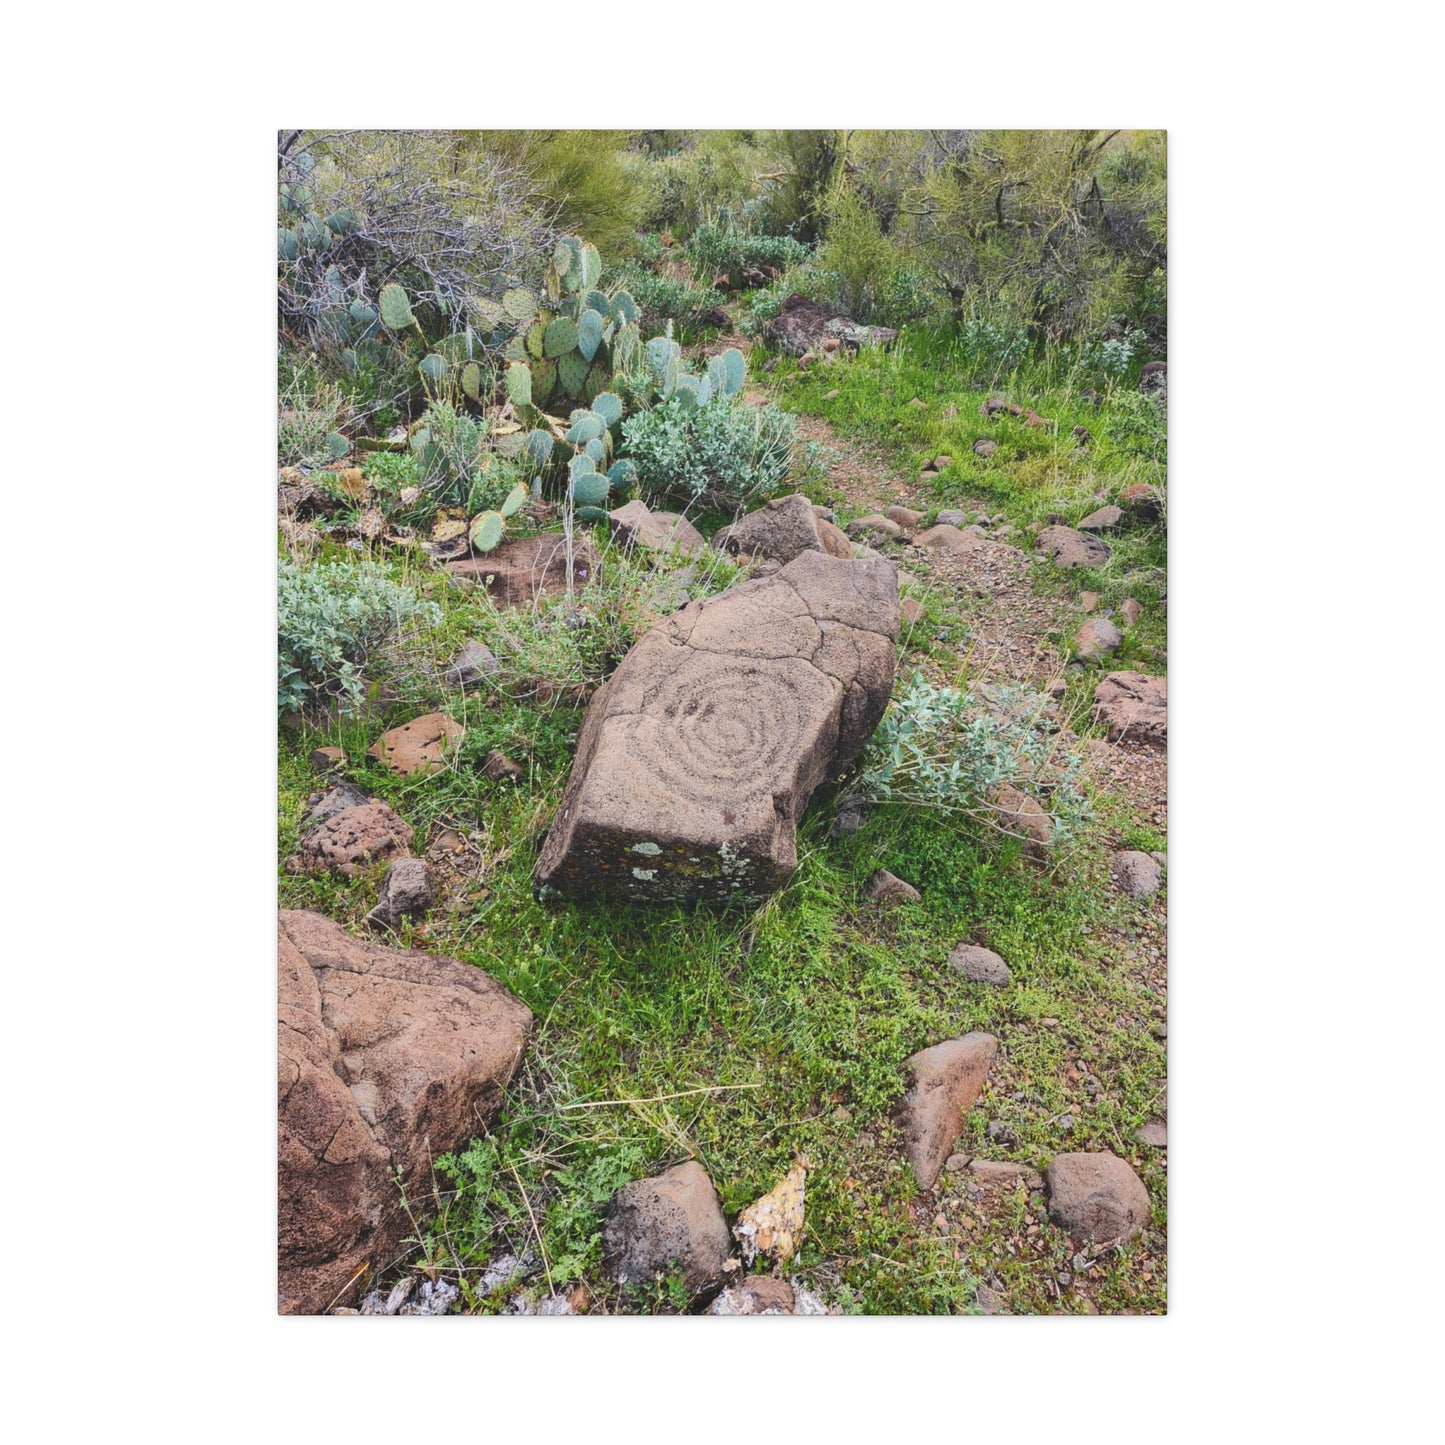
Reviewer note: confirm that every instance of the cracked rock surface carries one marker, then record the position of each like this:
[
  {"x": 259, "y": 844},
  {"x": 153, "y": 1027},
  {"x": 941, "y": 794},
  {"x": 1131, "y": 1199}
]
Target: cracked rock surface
[
  {"x": 386, "y": 1058},
  {"x": 697, "y": 758}
]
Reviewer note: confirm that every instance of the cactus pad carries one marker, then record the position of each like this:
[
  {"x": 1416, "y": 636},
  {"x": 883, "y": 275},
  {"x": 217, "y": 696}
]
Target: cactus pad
[
  {"x": 516, "y": 500},
  {"x": 486, "y": 531},
  {"x": 608, "y": 405},
  {"x": 560, "y": 336},
  {"x": 589, "y": 333},
  {"x": 519, "y": 383},
  {"x": 395, "y": 307}
]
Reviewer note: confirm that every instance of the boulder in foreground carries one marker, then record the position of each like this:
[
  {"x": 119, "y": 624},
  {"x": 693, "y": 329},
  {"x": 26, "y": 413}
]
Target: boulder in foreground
[
  {"x": 697, "y": 758},
  {"x": 672, "y": 1221},
  {"x": 1096, "y": 1196},
  {"x": 386, "y": 1058}
]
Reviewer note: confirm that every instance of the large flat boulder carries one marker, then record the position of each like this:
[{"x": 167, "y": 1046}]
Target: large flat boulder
[
  {"x": 697, "y": 758},
  {"x": 386, "y": 1058},
  {"x": 783, "y": 529},
  {"x": 518, "y": 570},
  {"x": 1069, "y": 548}
]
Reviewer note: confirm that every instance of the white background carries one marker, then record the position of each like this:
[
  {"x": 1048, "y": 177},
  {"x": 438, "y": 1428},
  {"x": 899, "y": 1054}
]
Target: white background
[{"x": 139, "y": 732}]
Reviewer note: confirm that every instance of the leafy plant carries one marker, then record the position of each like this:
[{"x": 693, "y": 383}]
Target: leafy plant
[
  {"x": 331, "y": 618},
  {"x": 939, "y": 747},
  {"x": 724, "y": 456}
]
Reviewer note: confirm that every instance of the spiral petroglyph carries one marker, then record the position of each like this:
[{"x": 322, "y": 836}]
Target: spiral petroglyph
[{"x": 697, "y": 759}]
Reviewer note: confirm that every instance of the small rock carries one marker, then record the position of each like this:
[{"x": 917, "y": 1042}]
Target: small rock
[
  {"x": 497, "y": 765},
  {"x": 636, "y": 525},
  {"x": 949, "y": 410},
  {"x": 672, "y": 1219},
  {"x": 940, "y": 462},
  {"x": 874, "y": 523},
  {"x": 351, "y": 840},
  {"x": 832, "y": 395},
  {"x": 919, "y": 403},
  {"x": 1135, "y": 874},
  {"x": 1155, "y": 1135},
  {"x": 952, "y": 517},
  {"x": 956, "y": 1162},
  {"x": 905, "y": 517},
  {"x": 849, "y": 818},
  {"x": 1081, "y": 436},
  {"x": 884, "y": 887},
  {"x": 1096, "y": 639},
  {"x": 989, "y": 1301},
  {"x": 911, "y": 611},
  {"x": 943, "y": 1084},
  {"x": 757, "y": 1295},
  {"x": 1021, "y": 817},
  {"x": 772, "y": 1227},
  {"x": 1004, "y": 1174},
  {"x": 328, "y": 760},
  {"x": 1130, "y": 610},
  {"x": 1142, "y": 501},
  {"x": 979, "y": 965},
  {"x": 471, "y": 665},
  {"x": 1069, "y": 548},
  {"x": 1001, "y": 1133},
  {"x": 419, "y": 746},
  {"x": 1154, "y": 379},
  {"x": 1102, "y": 520},
  {"x": 335, "y": 800},
  {"x": 505, "y": 1270},
  {"x": 1134, "y": 705},
  {"x": 1088, "y": 600},
  {"x": 984, "y": 447},
  {"x": 1096, "y": 1196},
  {"x": 408, "y": 891},
  {"x": 927, "y": 475}
]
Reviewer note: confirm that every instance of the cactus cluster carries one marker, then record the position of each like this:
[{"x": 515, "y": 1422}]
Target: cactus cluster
[{"x": 488, "y": 527}]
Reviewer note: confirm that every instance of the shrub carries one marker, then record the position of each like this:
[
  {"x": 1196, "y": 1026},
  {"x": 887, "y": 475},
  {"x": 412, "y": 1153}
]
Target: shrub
[
  {"x": 725, "y": 457},
  {"x": 728, "y": 246},
  {"x": 331, "y": 618},
  {"x": 941, "y": 748},
  {"x": 666, "y": 298},
  {"x": 308, "y": 410}
]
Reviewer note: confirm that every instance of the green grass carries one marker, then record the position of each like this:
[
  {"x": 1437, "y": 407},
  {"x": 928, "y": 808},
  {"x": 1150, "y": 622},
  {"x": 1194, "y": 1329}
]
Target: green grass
[{"x": 800, "y": 1012}]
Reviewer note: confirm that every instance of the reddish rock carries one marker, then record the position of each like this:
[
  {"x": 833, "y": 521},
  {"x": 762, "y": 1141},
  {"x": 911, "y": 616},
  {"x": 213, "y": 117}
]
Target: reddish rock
[
  {"x": 1155, "y": 1135},
  {"x": 419, "y": 746},
  {"x": 906, "y": 517},
  {"x": 472, "y": 665},
  {"x": 1135, "y": 874},
  {"x": 672, "y": 1221},
  {"x": 352, "y": 839},
  {"x": 1003, "y": 1174},
  {"x": 1032, "y": 418},
  {"x": 1068, "y": 548},
  {"x": 1102, "y": 520},
  {"x": 636, "y": 526},
  {"x": 1141, "y": 500},
  {"x": 1021, "y": 817},
  {"x": 497, "y": 765},
  {"x": 910, "y": 611},
  {"x": 943, "y": 1084},
  {"x": 1088, "y": 600},
  {"x": 697, "y": 757},
  {"x": 1135, "y": 706},
  {"x": 386, "y": 1058},
  {"x": 1130, "y": 611},
  {"x": 1096, "y": 1197},
  {"x": 802, "y": 326},
  {"x": 885, "y": 887},
  {"x": 784, "y": 529},
  {"x": 328, "y": 760},
  {"x": 518, "y": 570},
  {"x": 758, "y": 1294},
  {"x": 874, "y": 524},
  {"x": 979, "y": 965},
  {"x": 940, "y": 462},
  {"x": 1097, "y": 638},
  {"x": 408, "y": 890}
]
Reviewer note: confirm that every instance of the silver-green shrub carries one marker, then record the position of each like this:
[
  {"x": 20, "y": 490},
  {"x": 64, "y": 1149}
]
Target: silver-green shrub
[{"x": 331, "y": 618}]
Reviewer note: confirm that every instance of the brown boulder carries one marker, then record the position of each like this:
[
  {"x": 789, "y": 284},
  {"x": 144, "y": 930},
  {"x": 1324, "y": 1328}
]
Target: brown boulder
[
  {"x": 885, "y": 887},
  {"x": 518, "y": 570},
  {"x": 386, "y": 1058},
  {"x": 1021, "y": 817},
  {"x": 802, "y": 325},
  {"x": 1154, "y": 379},
  {"x": 784, "y": 529},
  {"x": 906, "y": 517},
  {"x": 635, "y": 526},
  {"x": 1141, "y": 500},
  {"x": 1096, "y": 1196},
  {"x": 1134, "y": 705},
  {"x": 353, "y": 839},
  {"x": 1135, "y": 874},
  {"x": 671, "y": 1221},
  {"x": 1097, "y": 638},
  {"x": 874, "y": 525},
  {"x": 697, "y": 758},
  {"x": 1102, "y": 520},
  {"x": 1003, "y": 1174},
  {"x": 418, "y": 746},
  {"x": 979, "y": 965},
  {"x": 950, "y": 539},
  {"x": 943, "y": 1083},
  {"x": 1069, "y": 548}
]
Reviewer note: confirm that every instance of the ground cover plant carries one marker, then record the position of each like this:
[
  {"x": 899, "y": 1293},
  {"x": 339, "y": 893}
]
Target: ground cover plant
[{"x": 751, "y": 1038}]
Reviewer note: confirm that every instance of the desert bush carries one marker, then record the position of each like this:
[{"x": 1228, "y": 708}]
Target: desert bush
[
  {"x": 723, "y": 456},
  {"x": 663, "y": 297},
  {"x": 331, "y": 618},
  {"x": 728, "y": 245},
  {"x": 939, "y": 747},
  {"x": 308, "y": 410}
]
